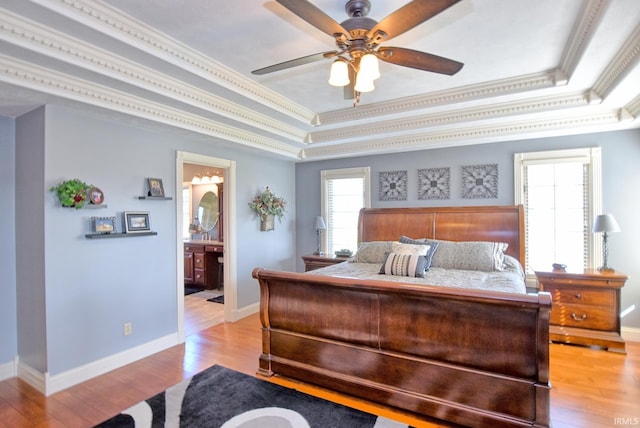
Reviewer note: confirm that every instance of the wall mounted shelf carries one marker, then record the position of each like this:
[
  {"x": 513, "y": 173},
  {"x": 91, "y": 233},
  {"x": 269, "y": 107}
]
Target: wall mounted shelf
[
  {"x": 94, "y": 206},
  {"x": 155, "y": 198},
  {"x": 117, "y": 235}
]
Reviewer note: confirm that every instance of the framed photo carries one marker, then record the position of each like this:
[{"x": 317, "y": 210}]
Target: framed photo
[
  {"x": 155, "y": 187},
  {"x": 136, "y": 221},
  {"x": 104, "y": 225}
]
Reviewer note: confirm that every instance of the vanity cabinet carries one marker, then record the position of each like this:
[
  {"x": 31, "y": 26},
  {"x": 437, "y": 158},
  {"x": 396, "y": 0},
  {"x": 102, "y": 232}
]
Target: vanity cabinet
[{"x": 201, "y": 267}]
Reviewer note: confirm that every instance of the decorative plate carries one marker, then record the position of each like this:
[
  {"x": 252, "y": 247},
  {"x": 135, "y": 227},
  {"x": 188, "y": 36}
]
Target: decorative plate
[{"x": 95, "y": 196}]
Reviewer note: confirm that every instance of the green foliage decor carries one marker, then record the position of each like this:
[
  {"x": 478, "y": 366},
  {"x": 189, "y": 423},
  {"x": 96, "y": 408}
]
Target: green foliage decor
[
  {"x": 72, "y": 193},
  {"x": 267, "y": 203}
]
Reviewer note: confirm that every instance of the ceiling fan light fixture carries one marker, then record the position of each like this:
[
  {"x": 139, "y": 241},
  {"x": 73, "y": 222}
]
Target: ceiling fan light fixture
[
  {"x": 364, "y": 83},
  {"x": 339, "y": 75},
  {"x": 369, "y": 67}
]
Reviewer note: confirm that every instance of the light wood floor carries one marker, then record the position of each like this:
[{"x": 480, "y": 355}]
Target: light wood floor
[
  {"x": 590, "y": 388},
  {"x": 200, "y": 314}
]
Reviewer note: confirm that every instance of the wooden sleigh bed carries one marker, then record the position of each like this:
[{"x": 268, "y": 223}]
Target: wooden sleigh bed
[{"x": 472, "y": 357}]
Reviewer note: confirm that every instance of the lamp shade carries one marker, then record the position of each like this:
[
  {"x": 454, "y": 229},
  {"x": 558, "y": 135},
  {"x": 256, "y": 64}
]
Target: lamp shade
[
  {"x": 320, "y": 224},
  {"x": 339, "y": 75},
  {"x": 605, "y": 223}
]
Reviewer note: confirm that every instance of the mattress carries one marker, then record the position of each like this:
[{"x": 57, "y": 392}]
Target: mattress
[{"x": 510, "y": 280}]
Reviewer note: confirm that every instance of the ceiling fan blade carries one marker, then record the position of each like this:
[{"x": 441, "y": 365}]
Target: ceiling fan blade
[
  {"x": 314, "y": 16},
  {"x": 408, "y": 16},
  {"x": 420, "y": 60},
  {"x": 294, "y": 62}
]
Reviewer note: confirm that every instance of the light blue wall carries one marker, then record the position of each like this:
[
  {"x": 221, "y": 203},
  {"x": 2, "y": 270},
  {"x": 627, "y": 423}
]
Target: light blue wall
[
  {"x": 30, "y": 256},
  {"x": 8, "y": 320},
  {"x": 621, "y": 179},
  {"x": 80, "y": 292}
]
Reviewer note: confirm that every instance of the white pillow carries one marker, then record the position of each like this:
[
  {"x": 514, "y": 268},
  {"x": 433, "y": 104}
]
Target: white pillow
[{"x": 411, "y": 249}]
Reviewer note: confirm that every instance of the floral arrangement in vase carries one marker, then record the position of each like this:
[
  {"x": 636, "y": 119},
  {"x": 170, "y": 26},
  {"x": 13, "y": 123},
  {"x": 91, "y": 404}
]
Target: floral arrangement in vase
[{"x": 267, "y": 203}]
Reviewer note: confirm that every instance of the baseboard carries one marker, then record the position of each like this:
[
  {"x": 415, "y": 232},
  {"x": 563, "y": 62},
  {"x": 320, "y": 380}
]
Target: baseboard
[
  {"x": 9, "y": 370},
  {"x": 238, "y": 314},
  {"x": 630, "y": 334},
  {"x": 48, "y": 385}
]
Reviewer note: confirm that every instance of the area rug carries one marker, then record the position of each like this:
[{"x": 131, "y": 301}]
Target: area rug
[
  {"x": 191, "y": 290},
  {"x": 217, "y": 299},
  {"x": 220, "y": 397}
]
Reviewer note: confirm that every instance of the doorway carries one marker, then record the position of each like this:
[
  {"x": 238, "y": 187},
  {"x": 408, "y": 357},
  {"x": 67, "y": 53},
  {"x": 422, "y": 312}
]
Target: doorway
[{"x": 218, "y": 241}]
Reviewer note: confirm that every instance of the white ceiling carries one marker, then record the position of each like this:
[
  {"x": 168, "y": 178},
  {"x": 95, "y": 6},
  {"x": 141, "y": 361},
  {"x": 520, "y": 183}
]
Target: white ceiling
[{"x": 532, "y": 68}]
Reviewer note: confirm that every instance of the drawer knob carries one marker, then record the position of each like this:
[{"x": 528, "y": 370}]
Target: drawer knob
[
  {"x": 578, "y": 318},
  {"x": 578, "y": 296},
  {"x": 198, "y": 260}
]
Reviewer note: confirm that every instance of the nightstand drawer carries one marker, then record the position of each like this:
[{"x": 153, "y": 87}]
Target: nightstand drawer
[
  {"x": 583, "y": 316},
  {"x": 582, "y": 296}
]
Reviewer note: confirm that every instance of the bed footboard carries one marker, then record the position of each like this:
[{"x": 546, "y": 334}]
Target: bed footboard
[{"x": 471, "y": 357}]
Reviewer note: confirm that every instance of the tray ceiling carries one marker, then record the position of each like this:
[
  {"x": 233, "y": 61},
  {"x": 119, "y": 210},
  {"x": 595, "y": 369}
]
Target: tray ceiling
[{"x": 532, "y": 68}]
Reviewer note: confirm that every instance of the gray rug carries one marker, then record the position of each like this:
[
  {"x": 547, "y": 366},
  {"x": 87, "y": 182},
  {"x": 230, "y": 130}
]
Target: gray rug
[
  {"x": 219, "y": 397},
  {"x": 217, "y": 299},
  {"x": 191, "y": 290}
]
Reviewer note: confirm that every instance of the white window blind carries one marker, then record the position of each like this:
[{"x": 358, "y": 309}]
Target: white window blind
[
  {"x": 344, "y": 193},
  {"x": 560, "y": 191}
]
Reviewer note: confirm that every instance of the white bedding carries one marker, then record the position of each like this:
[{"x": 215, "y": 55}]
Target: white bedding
[{"x": 510, "y": 280}]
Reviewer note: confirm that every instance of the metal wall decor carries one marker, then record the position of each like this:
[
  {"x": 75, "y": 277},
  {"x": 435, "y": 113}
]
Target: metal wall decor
[
  {"x": 434, "y": 183},
  {"x": 392, "y": 185},
  {"x": 480, "y": 181}
]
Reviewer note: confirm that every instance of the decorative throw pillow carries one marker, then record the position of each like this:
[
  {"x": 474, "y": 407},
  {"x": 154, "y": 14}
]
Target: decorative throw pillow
[
  {"x": 433, "y": 246},
  {"x": 418, "y": 250},
  {"x": 403, "y": 265},
  {"x": 469, "y": 255},
  {"x": 371, "y": 252}
]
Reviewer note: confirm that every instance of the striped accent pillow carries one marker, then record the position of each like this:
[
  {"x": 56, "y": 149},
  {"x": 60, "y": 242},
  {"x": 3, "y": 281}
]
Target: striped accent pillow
[{"x": 404, "y": 265}]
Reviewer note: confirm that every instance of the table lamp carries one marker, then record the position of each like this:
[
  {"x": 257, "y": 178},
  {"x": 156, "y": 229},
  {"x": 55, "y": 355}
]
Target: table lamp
[
  {"x": 320, "y": 225},
  {"x": 606, "y": 224}
]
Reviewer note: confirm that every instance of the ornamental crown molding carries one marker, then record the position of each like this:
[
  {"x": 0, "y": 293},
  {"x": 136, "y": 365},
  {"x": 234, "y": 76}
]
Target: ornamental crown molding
[
  {"x": 463, "y": 94},
  {"x": 582, "y": 33},
  {"x": 465, "y": 136},
  {"x": 450, "y": 117},
  {"x": 627, "y": 58},
  {"x": 29, "y": 35},
  {"x": 109, "y": 21},
  {"x": 45, "y": 80}
]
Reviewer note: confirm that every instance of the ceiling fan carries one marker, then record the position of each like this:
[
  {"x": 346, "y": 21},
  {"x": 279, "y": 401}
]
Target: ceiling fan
[{"x": 359, "y": 37}]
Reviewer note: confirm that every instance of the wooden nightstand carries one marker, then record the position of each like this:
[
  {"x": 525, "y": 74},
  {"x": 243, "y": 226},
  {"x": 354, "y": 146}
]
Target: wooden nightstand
[
  {"x": 312, "y": 262},
  {"x": 585, "y": 308}
]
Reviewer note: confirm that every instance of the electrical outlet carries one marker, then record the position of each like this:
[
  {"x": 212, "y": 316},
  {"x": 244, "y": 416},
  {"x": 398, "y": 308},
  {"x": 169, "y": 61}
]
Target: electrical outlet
[{"x": 127, "y": 329}]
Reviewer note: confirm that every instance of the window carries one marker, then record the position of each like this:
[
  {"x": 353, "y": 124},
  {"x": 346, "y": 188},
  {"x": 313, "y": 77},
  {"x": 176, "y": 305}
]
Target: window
[
  {"x": 560, "y": 191},
  {"x": 344, "y": 193}
]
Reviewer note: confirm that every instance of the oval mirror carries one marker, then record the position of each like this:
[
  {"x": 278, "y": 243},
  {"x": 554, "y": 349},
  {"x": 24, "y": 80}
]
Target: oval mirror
[{"x": 208, "y": 211}]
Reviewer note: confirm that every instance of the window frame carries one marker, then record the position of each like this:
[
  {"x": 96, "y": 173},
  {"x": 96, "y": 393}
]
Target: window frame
[
  {"x": 592, "y": 157},
  {"x": 342, "y": 173}
]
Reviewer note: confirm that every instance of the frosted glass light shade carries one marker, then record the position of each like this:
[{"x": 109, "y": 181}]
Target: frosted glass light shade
[
  {"x": 339, "y": 75},
  {"x": 364, "y": 84},
  {"x": 369, "y": 67}
]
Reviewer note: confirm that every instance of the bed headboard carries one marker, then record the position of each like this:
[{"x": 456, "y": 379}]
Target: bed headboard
[{"x": 482, "y": 223}]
